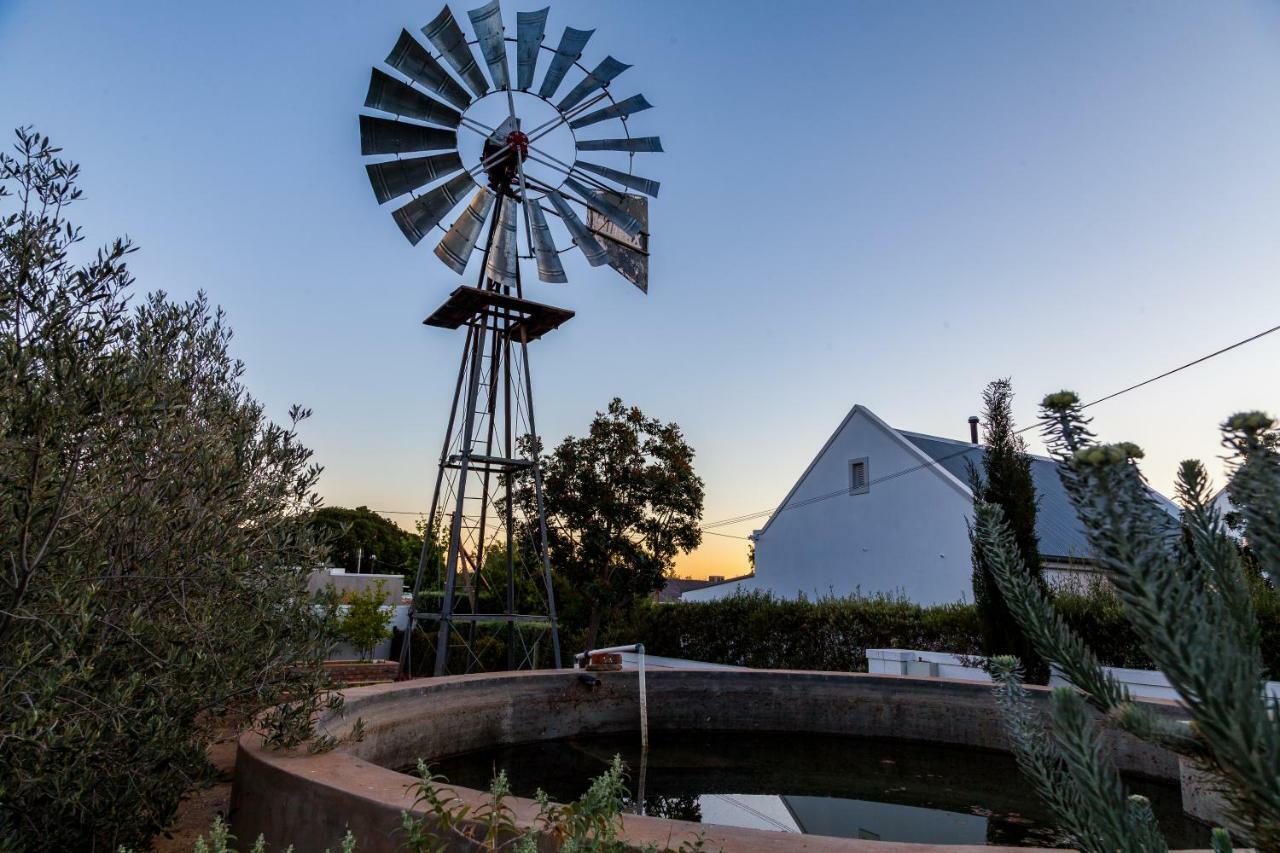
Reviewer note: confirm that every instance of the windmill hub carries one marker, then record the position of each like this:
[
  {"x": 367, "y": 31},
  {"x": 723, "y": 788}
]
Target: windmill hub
[
  {"x": 504, "y": 161},
  {"x": 519, "y": 143},
  {"x": 541, "y": 153}
]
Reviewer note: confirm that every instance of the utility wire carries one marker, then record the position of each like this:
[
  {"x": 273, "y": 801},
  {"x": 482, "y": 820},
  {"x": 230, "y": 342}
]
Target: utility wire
[
  {"x": 738, "y": 519},
  {"x": 749, "y": 516},
  {"x": 1183, "y": 367}
]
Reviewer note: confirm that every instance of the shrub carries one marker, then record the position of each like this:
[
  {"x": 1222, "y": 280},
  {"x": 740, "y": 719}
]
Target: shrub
[
  {"x": 592, "y": 823},
  {"x": 488, "y": 652},
  {"x": 150, "y": 520},
  {"x": 366, "y": 622},
  {"x": 761, "y": 631}
]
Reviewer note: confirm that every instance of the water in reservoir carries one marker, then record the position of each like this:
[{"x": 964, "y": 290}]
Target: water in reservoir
[{"x": 820, "y": 785}]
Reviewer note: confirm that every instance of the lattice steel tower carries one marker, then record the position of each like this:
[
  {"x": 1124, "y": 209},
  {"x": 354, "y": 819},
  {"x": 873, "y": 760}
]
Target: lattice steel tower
[{"x": 488, "y": 498}]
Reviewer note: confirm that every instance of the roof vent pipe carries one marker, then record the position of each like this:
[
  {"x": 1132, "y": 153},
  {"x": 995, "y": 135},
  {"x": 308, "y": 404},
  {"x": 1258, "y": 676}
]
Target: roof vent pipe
[{"x": 973, "y": 428}]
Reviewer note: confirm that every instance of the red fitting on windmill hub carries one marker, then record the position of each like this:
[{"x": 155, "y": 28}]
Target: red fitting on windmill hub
[{"x": 518, "y": 142}]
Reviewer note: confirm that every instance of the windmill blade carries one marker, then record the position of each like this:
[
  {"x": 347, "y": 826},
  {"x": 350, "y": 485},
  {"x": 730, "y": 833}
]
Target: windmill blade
[
  {"x": 586, "y": 241},
  {"x": 607, "y": 208},
  {"x": 569, "y": 52},
  {"x": 501, "y": 264},
  {"x": 544, "y": 247},
  {"x": 397, "y": 177},
  {"x": 414, "y": 61},
  {"x": 388, "y": 94},
  {"x": 602, "y": 76},
  {"x": 460, "y": 240},
  {"x": 622, "y": 109},
  {"x": 651, "y": 144},
  {"x": 644, "y": 185},
  {"x": 387, "y": 136},
  {"x": 444, "y": 33},
  {"x": 487, "y": 22},
  {"x": 425, "y": 212},
  {"x": 531, "y": 28}
]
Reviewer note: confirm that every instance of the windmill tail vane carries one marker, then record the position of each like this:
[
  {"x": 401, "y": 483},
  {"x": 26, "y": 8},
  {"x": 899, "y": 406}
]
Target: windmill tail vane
[{"x": 547, "y": 165}]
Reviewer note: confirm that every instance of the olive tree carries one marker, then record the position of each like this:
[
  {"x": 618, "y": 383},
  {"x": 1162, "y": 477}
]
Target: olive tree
[{"x": 152, "y": 527}]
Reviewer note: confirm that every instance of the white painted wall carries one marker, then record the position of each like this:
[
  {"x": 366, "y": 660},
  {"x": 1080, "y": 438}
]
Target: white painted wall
[
  {"x": 1141, "y": 683},
  {"x": 906, "y": 535},
  {"x": 925, "y": 664}
]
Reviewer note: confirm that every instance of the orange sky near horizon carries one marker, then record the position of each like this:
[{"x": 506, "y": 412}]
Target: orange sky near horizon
[{"x": 717, "y": 555}]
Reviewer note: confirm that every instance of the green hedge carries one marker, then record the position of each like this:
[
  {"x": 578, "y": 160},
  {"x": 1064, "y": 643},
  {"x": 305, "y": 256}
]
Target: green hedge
[
  {"x": 758, "y": 630},
  {"x": 763, "y": 632}
]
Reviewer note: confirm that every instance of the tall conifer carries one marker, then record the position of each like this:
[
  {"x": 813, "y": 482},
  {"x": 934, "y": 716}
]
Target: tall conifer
[{"x": 1005, "y": 480}]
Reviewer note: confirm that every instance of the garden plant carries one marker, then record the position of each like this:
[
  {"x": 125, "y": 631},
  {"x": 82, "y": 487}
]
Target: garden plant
[
  {"x": 1190, "y": 592},
  {"x": 152, "y": 529},
  {"x": 366, "y": 622}
]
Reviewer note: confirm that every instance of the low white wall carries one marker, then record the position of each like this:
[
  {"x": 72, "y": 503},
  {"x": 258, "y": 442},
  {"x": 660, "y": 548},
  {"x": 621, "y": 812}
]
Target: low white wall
[
  {"x": 1141, "y": 683},
  {"x": 934, "y": 664},
  {"x": 1145, "y": 683}
]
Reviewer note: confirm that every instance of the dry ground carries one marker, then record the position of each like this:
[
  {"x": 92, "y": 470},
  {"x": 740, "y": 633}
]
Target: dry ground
[{"x": 199, "y": 809}]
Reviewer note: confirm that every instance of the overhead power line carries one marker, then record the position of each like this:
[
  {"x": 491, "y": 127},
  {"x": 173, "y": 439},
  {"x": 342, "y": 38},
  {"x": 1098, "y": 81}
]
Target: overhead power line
[
  {"x": 1199, "y": 360},
  {"x": 706, "y": 528},
  {"x": 738, "y": 519}
]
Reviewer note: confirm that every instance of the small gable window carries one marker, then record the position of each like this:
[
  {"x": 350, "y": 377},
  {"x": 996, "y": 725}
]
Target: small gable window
[{"x": 859, "y": 478}]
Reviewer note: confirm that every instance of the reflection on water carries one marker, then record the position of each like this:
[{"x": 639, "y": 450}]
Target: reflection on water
[{"x": 813, "y": 784}]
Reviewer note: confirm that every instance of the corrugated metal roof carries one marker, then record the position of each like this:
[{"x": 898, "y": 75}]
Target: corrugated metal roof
[{"x": 1057, "y": 526}]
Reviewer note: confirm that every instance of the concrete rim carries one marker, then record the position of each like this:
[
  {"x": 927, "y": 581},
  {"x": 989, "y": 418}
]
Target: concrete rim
[{"x": 309, "y": 800}]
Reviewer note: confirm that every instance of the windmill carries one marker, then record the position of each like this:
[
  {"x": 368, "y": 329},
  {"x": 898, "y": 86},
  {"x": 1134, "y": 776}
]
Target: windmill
[{"x": 440, "y": 135}]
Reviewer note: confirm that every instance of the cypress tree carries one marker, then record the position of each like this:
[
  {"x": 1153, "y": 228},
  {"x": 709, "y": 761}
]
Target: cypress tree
[{"x": 1005, "y": 480}]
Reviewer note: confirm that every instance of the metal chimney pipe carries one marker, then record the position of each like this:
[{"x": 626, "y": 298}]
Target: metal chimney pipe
[{"x": 973, "y": 429}]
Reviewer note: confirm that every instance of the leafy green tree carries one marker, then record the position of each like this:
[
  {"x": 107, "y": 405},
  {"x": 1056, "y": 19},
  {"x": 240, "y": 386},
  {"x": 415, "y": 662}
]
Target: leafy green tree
[
  {"x": 152, "y": 531},
  {"x": 436, "y": 552},
  {"x": 365, "y": 623},
  {"x": 622, "y": 502},
  {"x": 360, "y": 538},
  {"x": 1184, "y": 588},
  {"x": 1005, "y": 481}
]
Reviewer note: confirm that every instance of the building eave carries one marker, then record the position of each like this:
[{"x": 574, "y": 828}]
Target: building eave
[{"x": 926, "y": 461}]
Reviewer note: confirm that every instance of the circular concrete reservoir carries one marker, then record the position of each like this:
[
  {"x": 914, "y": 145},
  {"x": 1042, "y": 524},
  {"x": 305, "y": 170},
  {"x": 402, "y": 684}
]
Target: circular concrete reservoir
[{"x": 790, "y": 760}]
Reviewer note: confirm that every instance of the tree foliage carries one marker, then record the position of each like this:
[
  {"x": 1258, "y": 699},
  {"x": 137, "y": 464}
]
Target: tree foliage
[
  {"x": 365, "y": 623},
  {"x": 151, "y": 520},
  {"x": 1184, "y": 589},
  {"x": 360, "y": 538},
  {"x": 622, "y": 502},
  {"x": 1005, "y": 481},
  {"x": 833, "y": 633}
]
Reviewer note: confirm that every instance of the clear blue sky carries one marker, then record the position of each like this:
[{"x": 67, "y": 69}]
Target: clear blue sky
[{"x": 878, "y": 202}]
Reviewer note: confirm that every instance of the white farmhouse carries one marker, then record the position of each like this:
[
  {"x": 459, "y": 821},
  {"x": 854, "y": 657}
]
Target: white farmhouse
[{"x": 882, "y": 510}]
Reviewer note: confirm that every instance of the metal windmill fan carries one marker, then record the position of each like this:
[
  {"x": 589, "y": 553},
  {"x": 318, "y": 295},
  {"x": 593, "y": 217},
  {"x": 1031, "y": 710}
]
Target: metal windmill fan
[
  {"x": 517, "y": 194},
  {"x": 431, "y": 107}
]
